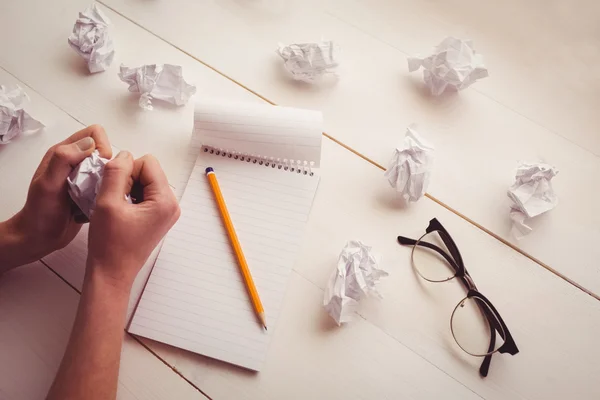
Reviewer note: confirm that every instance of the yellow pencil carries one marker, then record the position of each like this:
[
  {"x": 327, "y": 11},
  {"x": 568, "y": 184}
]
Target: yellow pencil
[{"x": 237, "y": 248}]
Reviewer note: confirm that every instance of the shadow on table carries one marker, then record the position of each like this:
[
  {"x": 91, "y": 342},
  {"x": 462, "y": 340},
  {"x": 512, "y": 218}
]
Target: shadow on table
[
  {"x": 75, "y": 63},
  {"x": 387, "y": 197},
  {"x": 321, "y": 87},
  {"x": 177, "y": 358},
  {"x": 415, "y": 81}
]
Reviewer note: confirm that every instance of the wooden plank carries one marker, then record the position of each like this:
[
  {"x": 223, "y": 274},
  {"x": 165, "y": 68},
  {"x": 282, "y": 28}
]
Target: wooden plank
[
  {"x": 538, "y": 67},
  {"x": 406, "y": 331},
  {"x": 37, "y": 310},
  {"x": 543, "y": 312},
  {"x": 538, "y": 104},
  {"x": 342, "y": 357}
]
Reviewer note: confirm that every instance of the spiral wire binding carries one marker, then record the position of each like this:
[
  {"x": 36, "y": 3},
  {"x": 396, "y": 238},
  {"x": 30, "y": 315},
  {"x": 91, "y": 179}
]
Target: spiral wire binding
[{"x": 298, "y": 166}]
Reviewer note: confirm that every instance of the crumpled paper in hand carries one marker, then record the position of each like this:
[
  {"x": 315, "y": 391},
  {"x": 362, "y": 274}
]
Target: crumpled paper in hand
[
  {"x": 91, "y": 39},
  {"x": 356, "y": 275},
  {"x": 409, "y": 170},
  {"x": 309, "y": 62},
  {"x": 84, "y": 183},
  {"x": 162, "y": 82},
  {"x": 454, "y": 65},
  {"x": 532, "y": 194},
  {"x": 14, "y": 120}
]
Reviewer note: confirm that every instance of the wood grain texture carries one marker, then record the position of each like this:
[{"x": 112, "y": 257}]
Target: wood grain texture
[
  {"x": 37, "y": 310},
  {"x": 543, "y": 312},
  {"x": 397, "y": 348},
  {"x": 409, "y": 328},
  {"x": 537, "y": 105}
]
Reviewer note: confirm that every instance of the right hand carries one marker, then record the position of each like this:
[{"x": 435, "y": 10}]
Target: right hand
[{"x": 123, "y": 235}]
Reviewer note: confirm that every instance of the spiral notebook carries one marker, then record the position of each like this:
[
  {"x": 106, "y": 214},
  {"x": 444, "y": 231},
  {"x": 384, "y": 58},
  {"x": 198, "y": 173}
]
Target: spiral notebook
[{"x": 266, "y": 159}]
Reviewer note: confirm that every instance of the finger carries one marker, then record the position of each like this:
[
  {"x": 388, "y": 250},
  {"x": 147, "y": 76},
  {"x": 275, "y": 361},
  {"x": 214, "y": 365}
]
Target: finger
[
  {"x": 148, "y": 172},
  {"x": 65, "y": 157},
  {"x": 97, "y": 133},
  {"x": 117, "y": 180}
]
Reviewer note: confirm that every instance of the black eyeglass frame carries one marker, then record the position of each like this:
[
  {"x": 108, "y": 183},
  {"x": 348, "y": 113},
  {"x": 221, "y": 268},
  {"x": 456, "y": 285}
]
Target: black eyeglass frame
[{"x": 456, "y": 262}]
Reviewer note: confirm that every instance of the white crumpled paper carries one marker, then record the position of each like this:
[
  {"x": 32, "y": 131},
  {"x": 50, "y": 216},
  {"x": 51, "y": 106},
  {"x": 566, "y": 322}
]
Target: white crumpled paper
[
  {"x": 531, "y": 194},
  {"x": 454, "y": 65},
  {"x": 356, "y": 274},
  {"x": 309, "y": 62},
  {"x": 84, "y": 182},
  {"x": 91, "y": 39},
  {"x": 14, "y": 120},
  {"x": 162, "y": 82},
  {"x": 410, "y": 167}
]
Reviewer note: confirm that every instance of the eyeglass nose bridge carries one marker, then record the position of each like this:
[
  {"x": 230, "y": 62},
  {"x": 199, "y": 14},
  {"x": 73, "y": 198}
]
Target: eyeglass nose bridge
[{"x": 469, "y": 282}]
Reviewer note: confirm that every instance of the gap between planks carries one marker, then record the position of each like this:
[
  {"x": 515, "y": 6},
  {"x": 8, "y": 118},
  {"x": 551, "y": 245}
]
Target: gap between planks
[
  {"x": 134, "y": 337},
  {"x": 441, "y": 203}
]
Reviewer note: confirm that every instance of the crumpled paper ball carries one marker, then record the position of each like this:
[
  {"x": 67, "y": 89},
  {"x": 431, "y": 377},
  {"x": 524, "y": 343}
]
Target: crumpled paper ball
[
  {"x": 84, "y": 182},
  {"x": 309, "y": 62},
  {"x": 14, "y": 120},
  {"x": 91, "y": 39},
  {"x": 161, "y": 82},
  {"x": 355, "y": 276},
  {"x": 454, "y": 65},
  {"x": 531, "y": 194},
  {"x": 409, "y": 170}
]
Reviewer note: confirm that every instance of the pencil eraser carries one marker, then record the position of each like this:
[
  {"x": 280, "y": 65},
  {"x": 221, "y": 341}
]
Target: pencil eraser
[{"x": 209, "y": 170}]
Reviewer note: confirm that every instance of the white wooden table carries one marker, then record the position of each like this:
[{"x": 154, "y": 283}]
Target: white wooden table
[{"x": 538, "y": 104}]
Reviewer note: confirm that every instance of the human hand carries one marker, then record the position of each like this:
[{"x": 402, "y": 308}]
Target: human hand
[
  {"x": 122, "y": 235},
  {"x": 48, "y": 221}
]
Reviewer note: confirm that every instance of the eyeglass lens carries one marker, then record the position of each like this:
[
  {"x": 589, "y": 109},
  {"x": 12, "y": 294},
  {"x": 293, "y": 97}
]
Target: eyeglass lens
[
  {"x": 471, "y": 329},
  {"x": 429, "y": 263}
]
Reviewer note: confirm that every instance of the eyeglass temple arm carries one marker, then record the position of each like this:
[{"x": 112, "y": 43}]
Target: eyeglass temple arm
[
  {"x": 509, "y": 345},
  {"x": 496, "y": 325},
  {"x": 435, "y": 225}
]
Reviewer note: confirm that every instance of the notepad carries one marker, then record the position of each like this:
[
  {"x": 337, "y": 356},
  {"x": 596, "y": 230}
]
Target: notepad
[{"x": 266, "y": 160}]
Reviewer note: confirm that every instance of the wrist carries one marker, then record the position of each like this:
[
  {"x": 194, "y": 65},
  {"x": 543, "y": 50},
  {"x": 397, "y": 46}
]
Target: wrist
[{"x": 101, "y": 276}]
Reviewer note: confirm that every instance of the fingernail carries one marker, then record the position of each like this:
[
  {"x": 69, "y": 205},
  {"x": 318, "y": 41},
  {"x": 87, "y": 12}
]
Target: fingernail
[{"x": 85, "y": 143}]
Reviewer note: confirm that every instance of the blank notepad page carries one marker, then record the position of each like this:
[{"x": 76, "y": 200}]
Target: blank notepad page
[{"x": 195, "y": 298}]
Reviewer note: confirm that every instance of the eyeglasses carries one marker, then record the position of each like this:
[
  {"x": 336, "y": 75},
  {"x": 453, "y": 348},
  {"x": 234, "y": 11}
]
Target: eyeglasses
[{"x": 474, "y": 321}]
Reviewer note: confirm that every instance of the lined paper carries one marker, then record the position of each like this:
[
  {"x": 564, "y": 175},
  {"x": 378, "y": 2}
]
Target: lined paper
[{"x": 195, "y": 298}]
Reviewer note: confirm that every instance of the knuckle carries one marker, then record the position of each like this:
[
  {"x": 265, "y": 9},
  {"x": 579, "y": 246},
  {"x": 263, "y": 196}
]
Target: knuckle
[
  {"x": 104, "y": 205},
  {"x": 177, "y": 213},
  {"x": 51, "y": 150},
  {"x": 96, "y": 130},
  {"x": 169, "y": 208},
  {"x": 112, "y": 165},
  {"x": 61, "y": 153},
  {"x": 115, "y": 165}
]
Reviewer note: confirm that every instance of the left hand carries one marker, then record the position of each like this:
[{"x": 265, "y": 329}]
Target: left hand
[{"x": 47, "y": 221}]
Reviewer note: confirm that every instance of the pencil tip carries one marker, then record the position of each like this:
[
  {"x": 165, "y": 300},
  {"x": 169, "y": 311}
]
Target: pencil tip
[{"x": 263, "y": 321}]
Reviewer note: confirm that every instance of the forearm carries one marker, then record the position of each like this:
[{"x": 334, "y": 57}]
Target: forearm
[
  {"x": 90, "y": 366},
  {"x": 13, "y": 245}
]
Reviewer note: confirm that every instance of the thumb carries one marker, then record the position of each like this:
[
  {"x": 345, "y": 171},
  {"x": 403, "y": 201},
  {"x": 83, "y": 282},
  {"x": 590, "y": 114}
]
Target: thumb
[
  {"x": 66, "y": 157},
  {"x": 117, "y": 179}
]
